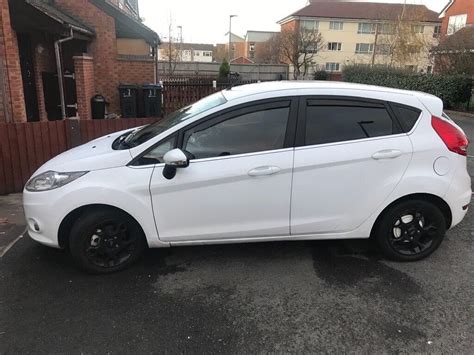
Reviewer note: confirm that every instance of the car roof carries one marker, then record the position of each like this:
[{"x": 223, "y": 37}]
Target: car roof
[{"x": 274, "y": 86}]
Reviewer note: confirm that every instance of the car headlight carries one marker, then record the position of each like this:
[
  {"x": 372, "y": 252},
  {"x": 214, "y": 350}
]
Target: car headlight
[{"x": 50, "y": 180}]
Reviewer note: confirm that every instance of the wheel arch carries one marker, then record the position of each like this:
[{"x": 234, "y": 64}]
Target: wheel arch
[
  {"x": 68, "y": 221},
  {"x": 435, "y": 200}
]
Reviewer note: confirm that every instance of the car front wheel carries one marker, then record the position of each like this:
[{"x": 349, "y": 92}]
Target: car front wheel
[
  {"x": 105, "y": 241},
  {"x": 410, "y": 230}
]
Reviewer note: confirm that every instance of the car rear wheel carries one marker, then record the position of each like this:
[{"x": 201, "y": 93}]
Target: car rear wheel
[
  {"x": 410, "y": 230},
  {"x": 105, "y": 241}
]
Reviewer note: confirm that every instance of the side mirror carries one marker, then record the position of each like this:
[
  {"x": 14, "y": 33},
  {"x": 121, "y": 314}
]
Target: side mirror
[{"x": 174, "y": 159}]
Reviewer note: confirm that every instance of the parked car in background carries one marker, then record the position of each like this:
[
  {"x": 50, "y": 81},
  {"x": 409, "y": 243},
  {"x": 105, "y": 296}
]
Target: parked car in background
[{"x": 261, "y": 162}]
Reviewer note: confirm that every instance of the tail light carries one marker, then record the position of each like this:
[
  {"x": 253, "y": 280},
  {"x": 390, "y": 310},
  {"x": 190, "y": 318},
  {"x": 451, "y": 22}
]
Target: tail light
[{"x": 453, "y": 137}]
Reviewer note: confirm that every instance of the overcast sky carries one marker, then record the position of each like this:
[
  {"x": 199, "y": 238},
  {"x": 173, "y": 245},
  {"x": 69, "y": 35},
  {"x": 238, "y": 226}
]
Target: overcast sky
[{"x": 206, "y": 21}]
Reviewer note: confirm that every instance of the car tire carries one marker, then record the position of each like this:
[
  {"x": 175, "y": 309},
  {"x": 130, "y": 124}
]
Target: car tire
[
  {"x": 104, "y": 241},
  {"x": 410, "y": 230}
]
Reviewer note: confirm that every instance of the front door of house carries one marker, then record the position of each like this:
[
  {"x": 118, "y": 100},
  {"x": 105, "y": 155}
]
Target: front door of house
[{"x": 28, "y": 77}]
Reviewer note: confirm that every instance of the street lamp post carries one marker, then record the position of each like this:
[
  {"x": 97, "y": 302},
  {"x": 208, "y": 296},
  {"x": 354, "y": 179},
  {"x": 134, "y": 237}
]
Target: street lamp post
[
  {"x": 180, "y": 28},
  {"x": 230, "y": 36}
]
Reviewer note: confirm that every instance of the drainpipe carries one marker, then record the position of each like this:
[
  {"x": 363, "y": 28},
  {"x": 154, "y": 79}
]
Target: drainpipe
[{"x": 59, "y": 66}]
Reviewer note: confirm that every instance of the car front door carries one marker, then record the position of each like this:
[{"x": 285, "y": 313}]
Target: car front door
[
  {"x": 352, "y": 155},
  {"x": 238, "y": 183}
]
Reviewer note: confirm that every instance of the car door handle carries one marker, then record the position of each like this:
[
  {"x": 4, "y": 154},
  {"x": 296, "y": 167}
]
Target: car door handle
[
  {"x": 387, "y": 154},
  {"x": 264, "y": 170}
]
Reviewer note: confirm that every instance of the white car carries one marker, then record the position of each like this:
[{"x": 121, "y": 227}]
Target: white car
[{"x": 261, "y": 162}]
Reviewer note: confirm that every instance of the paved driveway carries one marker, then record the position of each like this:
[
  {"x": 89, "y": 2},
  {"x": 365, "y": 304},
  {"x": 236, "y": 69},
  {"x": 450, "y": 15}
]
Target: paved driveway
[{"x": 298, "y": 297}]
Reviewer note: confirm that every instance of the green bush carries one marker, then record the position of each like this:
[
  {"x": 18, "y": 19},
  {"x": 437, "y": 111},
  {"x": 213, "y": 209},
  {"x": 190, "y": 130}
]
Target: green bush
[
  {"x": 321, "y": 75},
  {"x": 224, "y": 69},
  {"x": 452, "y": 89}
]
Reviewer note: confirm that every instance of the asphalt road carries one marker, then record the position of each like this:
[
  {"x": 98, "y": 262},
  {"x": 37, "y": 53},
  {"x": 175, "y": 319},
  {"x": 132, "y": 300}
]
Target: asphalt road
[{"x": 280, "y": 297}]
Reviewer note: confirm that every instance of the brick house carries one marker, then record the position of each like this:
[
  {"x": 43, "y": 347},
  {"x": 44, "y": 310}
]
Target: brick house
[
  {"x": 456, "y": 50},
  {"x": 456, "y": 15},
  {"x": 95, "y": 45}
]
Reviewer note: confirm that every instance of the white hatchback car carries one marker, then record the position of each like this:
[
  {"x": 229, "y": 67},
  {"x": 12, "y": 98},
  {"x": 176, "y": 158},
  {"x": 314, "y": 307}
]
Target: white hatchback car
[{"x": 261, "y": 162}]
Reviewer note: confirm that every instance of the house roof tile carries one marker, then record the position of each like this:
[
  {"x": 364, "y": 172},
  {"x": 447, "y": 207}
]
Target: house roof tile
[{"x": 367, "y": 11}]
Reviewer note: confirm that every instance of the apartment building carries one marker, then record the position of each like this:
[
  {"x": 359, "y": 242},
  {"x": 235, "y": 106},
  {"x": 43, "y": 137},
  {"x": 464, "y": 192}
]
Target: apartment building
[
  {"x": 254, "y": 43},
  {"x": 187, "y": 52},
  {"x": 363, "y": 33}
]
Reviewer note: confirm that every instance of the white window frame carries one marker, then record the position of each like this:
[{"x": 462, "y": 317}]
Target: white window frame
[
  {"x": 456, "y": 22},
  {"x": 336, "y": 25},
  {"x": 334, "y": 46},
  {"x": 418, "y": 28},
  {"x": 370, "y": 48},
  {"x": 362, "y": 25},
  {"x": 305, "y": 25},
  {"x": 333, "y": 67},
  {"x": 388, "y": 28}
]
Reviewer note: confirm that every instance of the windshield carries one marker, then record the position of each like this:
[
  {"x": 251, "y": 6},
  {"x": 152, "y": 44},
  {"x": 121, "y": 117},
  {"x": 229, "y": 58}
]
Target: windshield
[{"x": 141, "y": 135}]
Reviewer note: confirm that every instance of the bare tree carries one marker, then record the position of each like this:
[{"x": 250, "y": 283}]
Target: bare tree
[
  {"x": 269, "y": 52},
  {"x": 298, "y": 47},
  {"x": 401, "y": 41},
  {"x": 170, "y": 53}
]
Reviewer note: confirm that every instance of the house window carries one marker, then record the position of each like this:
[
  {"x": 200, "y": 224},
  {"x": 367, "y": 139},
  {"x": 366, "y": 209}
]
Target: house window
[
  {"x": 252, "y": 47},
  {"x": 364, "y": 48},
  {"x": 388, "y": 28},
  {"x": 332, "y": 66},
  {"x": 457, "y": 22},
  {"x": 336, "y": 25},
  {"x": 334, "y": 46},
  {"x": 418, "y": 28},
  {"x": 309, "y": 25},
  {"x": 197, "y": 53},
  {"x": 366, "y": 27},
  {"x": 437, "y": 31},
  {"x": 383, "y": 49}
]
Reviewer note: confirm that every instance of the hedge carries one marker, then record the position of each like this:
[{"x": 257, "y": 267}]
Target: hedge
[{"x": 452, "y": 89}]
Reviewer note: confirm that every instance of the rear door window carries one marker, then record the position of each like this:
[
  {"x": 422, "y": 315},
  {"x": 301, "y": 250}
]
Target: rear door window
[{"x": 329, "y": 121}]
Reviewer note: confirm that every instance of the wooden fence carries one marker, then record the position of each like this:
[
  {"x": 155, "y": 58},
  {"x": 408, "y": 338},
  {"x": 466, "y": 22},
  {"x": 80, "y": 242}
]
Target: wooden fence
[
  {"x": 180, "y": 92},
  {"x": 24, "y": 147}
]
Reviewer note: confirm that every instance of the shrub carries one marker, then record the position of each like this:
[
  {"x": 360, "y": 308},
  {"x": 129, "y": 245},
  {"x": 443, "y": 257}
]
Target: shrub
[
  {"x": 452, "y": 89},
  {"x": 224, "y": 69},
  {"x": 321, "y": 75}
]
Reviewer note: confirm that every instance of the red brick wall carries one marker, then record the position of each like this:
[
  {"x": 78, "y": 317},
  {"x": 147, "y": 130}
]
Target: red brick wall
[
  {"x": 103, "y": 48},
  {"x": 44, "y": 61},
  {"x": 84, "y": 70},
  {"x": 136, "y": 71},
  {"x": 459, "y": 7},
  {"x": 10, "y": 59}
]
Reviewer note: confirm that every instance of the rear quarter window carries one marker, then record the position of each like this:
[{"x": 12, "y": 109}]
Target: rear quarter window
[{"x": 406, "y": 115}]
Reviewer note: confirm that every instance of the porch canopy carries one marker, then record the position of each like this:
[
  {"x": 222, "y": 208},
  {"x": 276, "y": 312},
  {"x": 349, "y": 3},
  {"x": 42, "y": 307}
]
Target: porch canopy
[
  {"x": 126, "y": 26},
  {"x": 37, "y": 15}
]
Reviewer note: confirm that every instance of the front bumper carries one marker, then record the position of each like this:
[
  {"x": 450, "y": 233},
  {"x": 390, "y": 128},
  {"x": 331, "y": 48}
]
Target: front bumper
[{"x": 41, "y": 214}]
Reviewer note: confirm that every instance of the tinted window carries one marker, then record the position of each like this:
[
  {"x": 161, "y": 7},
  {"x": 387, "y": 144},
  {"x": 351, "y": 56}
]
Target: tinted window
[
  {"x": 406, "y": 115},
  {"x": 142, "y": 135},
  {"x": 338, "y": 123},
  {"x": 253, "y": 132}
]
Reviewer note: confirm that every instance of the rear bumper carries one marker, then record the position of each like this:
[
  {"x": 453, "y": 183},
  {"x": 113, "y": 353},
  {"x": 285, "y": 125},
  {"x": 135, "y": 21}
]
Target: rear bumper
[{"x": 459, "y": 195}]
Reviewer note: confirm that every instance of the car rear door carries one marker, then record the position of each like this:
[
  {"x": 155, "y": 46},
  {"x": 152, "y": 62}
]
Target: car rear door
[{"x": 352, "y": 154}]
